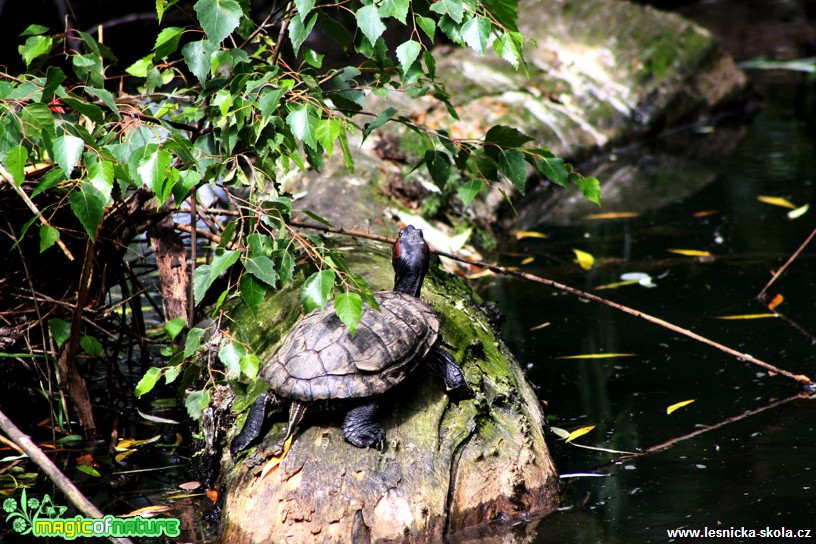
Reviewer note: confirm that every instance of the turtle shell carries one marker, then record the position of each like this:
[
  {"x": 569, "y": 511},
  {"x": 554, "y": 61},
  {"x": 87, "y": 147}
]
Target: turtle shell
[{"x": 320, "y": 359}]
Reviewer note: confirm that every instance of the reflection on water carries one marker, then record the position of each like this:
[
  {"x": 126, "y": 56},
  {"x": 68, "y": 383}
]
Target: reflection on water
[{"x": 754, "y": 472}]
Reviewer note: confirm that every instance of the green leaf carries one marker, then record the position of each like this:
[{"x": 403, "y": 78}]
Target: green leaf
[
  {"x": 398, "y": 9},
  {"x": 60, "y": 330},
  {"x": 349, "y": 308},
  {"x": 218, "y": 18},
  {"x": 88, "y": 208},
  {"x": 439, "y": 166},
  {"x": 152, "y": 171},
  {"x": 37, "y": 118},
  {"x": 34, "y": 30},
  {"x": 555, "y": 170},
  {"x": 100, "y": 175},
  {"x": 167, "y": 42},
  {"x": 328, "y": 130},
  {"x": 205, "y": 275},
  {"x": 451, "y": 8},
  {"x": 48, "y": 237},
  {"x": 198, "y": 57},
  {"x": 230, "y": 354},
  {"x": 250, "y": 364},
  {"x": 162, "y": 6},
  {"x": 378, "y": 121},
  {"x": 476, "y": 33},
  {"x": 148, "y": 381},
  {"x": 303, "y": 125},
  {"x": 304, "y": 7},
  {"x": 509, "y": 47},
  {"x": 91, "y": 346},
  {"x": 141, "y": 67},
  {"x": 287, "y": 266},
  {"x": 91, "y": 111},
  {"x": 407, "y": 53},
  {"x": 505, "y": 12},
  {"x": 252, "y": 291},
  {"x": 316, "y": 289},
  {"x": 504, "y": 136},
  {"x": 370, "y": 23},
  {"x": 106, "y": 97},
  {"x": 300, "y": 30},
  {"x": 470, "y": 190},
  {"x": 262, "y": 268},
  {"x": 35, "y": 46},
  {"x": 174, "y": 327},
  {"x": 427, "y": 25},
  {"x": 193, "y": 341},
  {"x": 197, "y": 401},
  {"x": 53, "y": 78},
  {"x": 15, "y": 161},
  {"x": 512, "y": 164},
  {"x": 66, "y": 151},
  {"x": 589, "y": 187}
]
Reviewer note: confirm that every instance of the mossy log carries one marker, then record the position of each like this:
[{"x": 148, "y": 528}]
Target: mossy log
[{"x": 445, "y": 467}]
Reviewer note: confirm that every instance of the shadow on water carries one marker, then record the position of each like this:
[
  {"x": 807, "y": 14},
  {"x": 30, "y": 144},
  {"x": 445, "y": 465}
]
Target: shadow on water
[{"x": 753, "y": 473}]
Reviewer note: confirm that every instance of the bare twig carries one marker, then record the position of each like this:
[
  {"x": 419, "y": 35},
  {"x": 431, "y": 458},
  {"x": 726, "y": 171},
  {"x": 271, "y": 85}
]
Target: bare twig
[
  {"x": 778, "y": 273},
  {"x": 50, "y": 469}
]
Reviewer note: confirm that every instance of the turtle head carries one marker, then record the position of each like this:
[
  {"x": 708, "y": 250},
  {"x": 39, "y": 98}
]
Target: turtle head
[{"x": 410, "y": 259}]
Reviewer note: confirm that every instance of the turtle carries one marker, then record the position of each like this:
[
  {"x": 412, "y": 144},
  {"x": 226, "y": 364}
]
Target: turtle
[{"x": 320, "y": 359}]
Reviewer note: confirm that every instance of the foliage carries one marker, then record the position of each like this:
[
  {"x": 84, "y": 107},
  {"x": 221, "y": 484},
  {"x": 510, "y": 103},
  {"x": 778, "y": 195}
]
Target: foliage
[{"x": 241, "y": 104}]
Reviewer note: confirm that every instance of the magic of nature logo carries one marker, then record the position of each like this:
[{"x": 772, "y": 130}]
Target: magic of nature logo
[{"x": 44, "y": 518}]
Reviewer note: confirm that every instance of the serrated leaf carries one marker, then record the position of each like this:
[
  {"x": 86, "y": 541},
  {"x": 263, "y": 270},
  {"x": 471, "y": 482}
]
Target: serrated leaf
[
  {"x": 106, "y": 97},
  {"x": 148, "y": 381},
  {"x": 230, "y": 354},
  {"x": 60, "y": 330},
  {"x": 439, "y": 166},
  {"x": 509, "y": 47},
  {"x": 35, "y": 46},
  {"x": 304, "y": 7},
  {"x": 407, "y": 53},
  {"x": 218, "y": 18},
  {"x": 34, "y": 30},
  {"x": 303, "y": 125},
  {"x": 193, "y": 341},
  {"x": 196, "y": 402},
  {"x": 427, "y": 25},
  {"x": 381, "y": 119},
  {"x": 100, "y": 176},
  {"x": 15, "y": 162},
  {"x": 316, "y": 290},
  {"x": 66, "y": 151},
  {"x": 505, "y": 12},
  {"x": 250, "y": 364},
  {"x": 198, "y": 57},
  {"x": 174, "y": 327},
  {"x": 48, "y": 237},
  {"x": 141, "y": 67},
  {"x": 328, "y": 130},
  {"x": 88, "y": 208},
  {"x": 504, "y": 136},
  {"x": 370, "y": 23},
  {"x": 579, "y": 432},
  {"x": 162, "y": 6},
  {"x": 678, "y": 405},
  {"x": 167, "y": 41},
  {"x": 470, "y": 190},
  {"x": 349, "y": 308},
  {"x": 300, "y": 30},
  {"x": 252, "y": 291},
  {"x": 205, "y": 275},
  {"x": 555, "y": 170},
  {"x": 262, "y": 268},
  {"x": 476, "y": 33},
  {"x": 451, "y": 8},
  {"x": 37, "y": 118},
  {"x": 514, "y": 167},
  {"x": 590, "y": 187},
  {"x": 152, "y": 171},
  {"x": 90, "y": 345}
]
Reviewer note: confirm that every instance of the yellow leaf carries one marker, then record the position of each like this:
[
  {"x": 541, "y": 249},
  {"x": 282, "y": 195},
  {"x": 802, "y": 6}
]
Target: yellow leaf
[
  {"x": 528, "y": 260},
  {"x": 617, "y": 284},
  {"x": 776, "y": 201},
  {"x": 690, "y": 252},
  {"x": 529, "y": 234},
  {"x": 610, "y": 215},
  {"x": 678, "y": 405},
  {"x": 745, "y": 316},
  {"x": 798, "y": 212},
  {"x": 584, "y": 259},
  {"x": 579, "y": 432},
  {"x": 597, "y": 356},
  {"x": 273, "y": 463},
  {"x": 777, "y": 300},
  {"x": 704, "y": 213},
  {"x": 120, "y": 456}
]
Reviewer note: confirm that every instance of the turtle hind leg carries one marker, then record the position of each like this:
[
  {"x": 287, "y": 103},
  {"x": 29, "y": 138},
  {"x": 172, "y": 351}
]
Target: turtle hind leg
[
  {"x": 446, "y": 366},
  {"x": 360, "y": 427},
  {"x": 252, "y": 426},
  {"x": 296, "y": 412}
]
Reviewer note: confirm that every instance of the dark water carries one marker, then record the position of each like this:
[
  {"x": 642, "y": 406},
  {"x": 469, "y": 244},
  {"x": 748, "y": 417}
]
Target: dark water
[{"x": 751, "y": 470}]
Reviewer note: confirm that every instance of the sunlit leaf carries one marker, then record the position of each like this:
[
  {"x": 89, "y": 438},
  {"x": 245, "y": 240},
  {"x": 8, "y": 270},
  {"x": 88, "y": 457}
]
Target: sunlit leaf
[
  {"x": 746, "y": 316},
  {"x": 14, "y": 162},
  {"x": 527, "y": 260},
  {"x": 205, "y": 275},
  {"x": 617, "y": 284},
  {"x": 585, "y": 260},
  {"x": 452, "y": 8},
  {"x": 89, "y": 470},
  {"x": 678, "y": 405},
  {"x": 776, "y": 301},
  {"x": 196, "y": 402},
  {"x": 407, "y": 53},
  {"x": 579, "y": 432},
  {"x": 370, "y": 22},
  {"x": 88, "y": 208},
  {"x": 690, "y": 252},
  {"x": 596, "y": 356},
  {"x": 798, "y": 212},
  {"x": 148, "y": 381},
  {"x": 642, "y": 278},
  {"x": 521, "y": 234},
  {"x": 776, "y": 201},
  {"x": 610, "y": 215},
  {"x": 66, "y": 151},
  {"x": 157, "y": 419},
  {"x": 316, "y": 289},
  {"x": 349, "y": 308},
  {"x": 218, "y": 18},
  {"x": 274, "y": 462},
  {"x": 705, "y": 213}
]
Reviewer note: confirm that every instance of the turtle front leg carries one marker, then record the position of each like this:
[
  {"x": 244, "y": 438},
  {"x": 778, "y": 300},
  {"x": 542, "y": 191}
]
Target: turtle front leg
[
  {"x": 361, "y": 428},
  {"x": 252, "y": 425},
  {"x": 446, "y": 366}
]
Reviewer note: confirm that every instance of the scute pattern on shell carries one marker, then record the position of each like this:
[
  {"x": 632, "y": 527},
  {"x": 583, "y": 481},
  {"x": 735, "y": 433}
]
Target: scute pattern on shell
[{"x": 319, "y": 359}]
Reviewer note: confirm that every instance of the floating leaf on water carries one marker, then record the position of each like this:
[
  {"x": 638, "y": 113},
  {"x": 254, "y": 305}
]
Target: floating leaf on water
[
  {"x": 746, "y": 316},
  {"x": 585, "y": 260},
  {"x": 776, "y": 301},
  {"x": 527, "y": 260},
  {"x": 610, "y": 215},
  {"x": 596, "y": 356},
  {"x": 520, "y": 234},
  {"x": 560, "y": 433},
  {"x": 579, "y": 432},
  {"x": 704, "y": 213},
  {"x": 798, "y": 212},
  {"x": 189, "y": 486},
  {"x": 615, "y": 285},
  {"x": 541, "y": 326},
  {"x": 678, "y": 405},
  {"x": 776, "y": 201},
  {"x": 641, "y": 278},
  {"x": 690, "y": 252}
]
